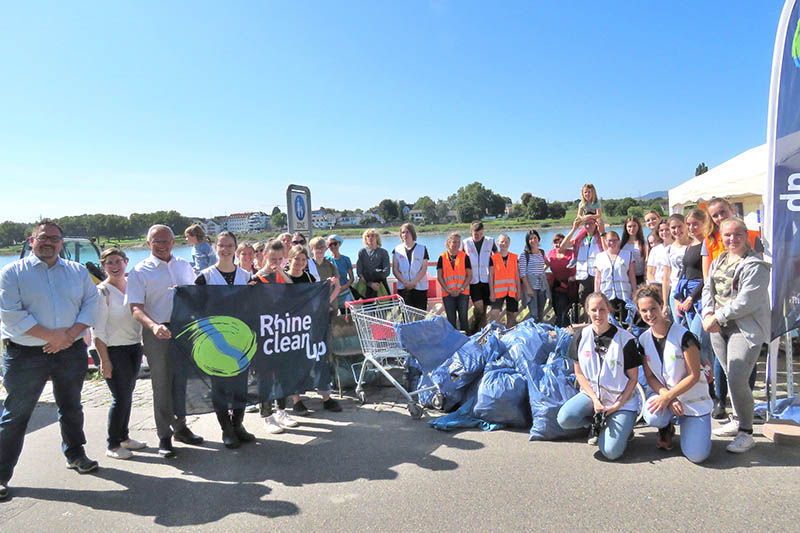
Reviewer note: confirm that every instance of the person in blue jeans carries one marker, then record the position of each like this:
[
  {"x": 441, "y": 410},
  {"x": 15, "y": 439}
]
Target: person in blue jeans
[
  {"x": 607, "y": 363},
  {"x": 46, "y": 304},
  {"x": 454, "y": 272},
  {"x": 118, "y": 340},
  {"x": 672, "y": 368}
]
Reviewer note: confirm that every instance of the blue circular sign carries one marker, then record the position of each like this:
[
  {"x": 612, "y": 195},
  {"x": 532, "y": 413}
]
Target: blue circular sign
[{"x": 299, "y": 208}]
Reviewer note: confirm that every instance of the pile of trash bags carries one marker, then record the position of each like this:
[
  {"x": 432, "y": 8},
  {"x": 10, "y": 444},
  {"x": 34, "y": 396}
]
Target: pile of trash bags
[{"x": 518, "y": 378}]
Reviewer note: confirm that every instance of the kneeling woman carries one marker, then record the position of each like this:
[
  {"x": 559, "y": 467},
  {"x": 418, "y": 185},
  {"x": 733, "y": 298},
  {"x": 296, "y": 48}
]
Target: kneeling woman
[
  {"x": 606, "y": 367},
  {"x": 672, "y": 368},
  {"x": 231, "y": 394}
]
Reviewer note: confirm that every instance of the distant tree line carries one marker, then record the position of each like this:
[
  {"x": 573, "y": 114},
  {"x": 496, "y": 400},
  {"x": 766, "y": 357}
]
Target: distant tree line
[{"x": 100, "y": 225}]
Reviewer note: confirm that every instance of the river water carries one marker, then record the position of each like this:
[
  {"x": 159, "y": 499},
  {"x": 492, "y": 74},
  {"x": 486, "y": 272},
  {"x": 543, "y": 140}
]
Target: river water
[{"x": 351, "y": 245}]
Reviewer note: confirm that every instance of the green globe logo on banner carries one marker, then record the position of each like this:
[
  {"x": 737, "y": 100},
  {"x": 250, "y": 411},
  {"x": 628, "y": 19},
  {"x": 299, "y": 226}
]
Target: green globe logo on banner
[
  {"x": 222, "y": 346},
  {"x": 796, "y": 45}
]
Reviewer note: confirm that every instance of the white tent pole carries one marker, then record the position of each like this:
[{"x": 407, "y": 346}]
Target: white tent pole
[
  {"x": 772, "y": 374},
  {"x": 789, "y": 365}
]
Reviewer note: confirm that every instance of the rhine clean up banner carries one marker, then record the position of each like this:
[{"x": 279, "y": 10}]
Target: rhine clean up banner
[{"x": 241, "y": 344}]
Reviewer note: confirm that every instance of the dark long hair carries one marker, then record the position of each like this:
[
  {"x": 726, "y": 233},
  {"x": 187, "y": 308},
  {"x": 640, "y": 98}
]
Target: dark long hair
[{"x": 639, "y": 235}]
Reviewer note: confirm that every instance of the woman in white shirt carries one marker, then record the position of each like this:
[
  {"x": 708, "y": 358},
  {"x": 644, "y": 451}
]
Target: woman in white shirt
[
  {"x": 118, "y": 341},
  {"x": 673, "y": 263}
]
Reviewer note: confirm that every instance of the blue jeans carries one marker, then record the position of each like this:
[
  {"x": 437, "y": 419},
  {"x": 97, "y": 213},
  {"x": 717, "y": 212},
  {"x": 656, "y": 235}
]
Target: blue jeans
[
  {"x": 460, "y": 305},
  {"x": 536, "y": 304},
  {"x": 695, "y": 432},
  {"x": 577, "y": 413},
  {"x": 125, "y": 364},
  {"x": 25, "y": 373}
]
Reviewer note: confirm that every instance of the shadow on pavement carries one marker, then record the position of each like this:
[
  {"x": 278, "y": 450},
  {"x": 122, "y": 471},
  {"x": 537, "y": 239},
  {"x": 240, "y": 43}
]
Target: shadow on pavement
[
  {"x": 171, "y": 501},
  {"x": 765, "y": 454},
  {"x": 340, "y": 451}
]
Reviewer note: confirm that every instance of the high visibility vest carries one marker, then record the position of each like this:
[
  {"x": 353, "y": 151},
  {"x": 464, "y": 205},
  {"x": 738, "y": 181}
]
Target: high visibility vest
[
  {"x": 479, "y": 261},
  {"x": 454, "y": 276},
  {"x": 606, "y": 375},
  {"x": 213, "y": 277},
  {"x": 696, "y": 401},
  {"x": 615, "y": 282},
  {"x": 715, "y": 247},
  {"x": 505, "y": 275},
  {"x": 587, "y": 252},
  {"x": 410, "y": 270}
]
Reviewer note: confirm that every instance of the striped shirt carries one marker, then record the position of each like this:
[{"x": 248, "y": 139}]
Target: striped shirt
[{"x": 532, "y": 266}]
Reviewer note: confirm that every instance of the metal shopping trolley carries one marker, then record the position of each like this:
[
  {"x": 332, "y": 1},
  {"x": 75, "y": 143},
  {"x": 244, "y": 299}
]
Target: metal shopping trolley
[{"x": 375, "y": 319}]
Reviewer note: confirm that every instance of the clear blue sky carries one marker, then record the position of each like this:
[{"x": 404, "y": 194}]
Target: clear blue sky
[{"x": 215, "y": 107}]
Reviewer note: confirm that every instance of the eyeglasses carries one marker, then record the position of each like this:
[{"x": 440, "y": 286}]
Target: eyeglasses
[
  {"x": 298, "y": 242},
  {"x": 332, "y": 244},
  {"x": 52, "y": 238}
]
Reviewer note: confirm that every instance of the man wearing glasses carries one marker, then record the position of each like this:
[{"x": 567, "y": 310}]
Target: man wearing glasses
[
  {"x": 150, "y": 291},
  {"x": 46, "y": 304}
]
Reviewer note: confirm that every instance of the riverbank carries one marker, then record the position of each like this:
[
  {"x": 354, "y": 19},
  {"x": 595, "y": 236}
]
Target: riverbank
[{"x": 492, "y": 227}]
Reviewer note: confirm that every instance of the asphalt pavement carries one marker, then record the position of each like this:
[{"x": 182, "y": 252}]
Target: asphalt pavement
[{"x": 374, "y": 468}]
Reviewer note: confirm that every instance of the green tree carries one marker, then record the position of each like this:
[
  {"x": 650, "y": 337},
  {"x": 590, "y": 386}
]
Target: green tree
[
  {"x": 537, "y": 208},
  {"x": 635, "y": 211},
  {"x": 275, "y": 210},
  {"x": 525, "y": 198},
  {"x": 428, "y": 208},
  {"x": 388, "y": 210},
  {"x": 516, "y": 211},
  {"x": 279, "y": 220},
  {"x": 624, "y": 204},
  {"x": 441, "y": 211},
  {"x": 13, "y": 232},
  {"x": 556, "y": 210},
  {"x": 701, "y": 169}
]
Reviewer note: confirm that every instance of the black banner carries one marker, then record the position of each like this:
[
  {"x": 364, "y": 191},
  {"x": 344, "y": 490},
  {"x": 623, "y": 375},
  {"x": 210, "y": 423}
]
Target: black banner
[{"x": 242, "y": 344}]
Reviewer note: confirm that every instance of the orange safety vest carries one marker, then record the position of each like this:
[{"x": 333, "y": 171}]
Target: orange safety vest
[
  {"x": 505, "y": 275},
  {"x": 715, "y": 247},
  {"x": 278, "y": 279},
  {"x": 454, "y": 277}
]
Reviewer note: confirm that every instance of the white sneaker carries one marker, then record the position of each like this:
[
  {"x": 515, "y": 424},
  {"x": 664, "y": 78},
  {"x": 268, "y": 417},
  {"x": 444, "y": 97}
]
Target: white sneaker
[
  {"x": 283, "y": 418},
  {"x": 742, "y": 443},
  {"x": 731, "y": 429},
  {"x": 132, "y": 444},
  {"x": 119, "y": 453},
  {"x": 272, "y": 426}
]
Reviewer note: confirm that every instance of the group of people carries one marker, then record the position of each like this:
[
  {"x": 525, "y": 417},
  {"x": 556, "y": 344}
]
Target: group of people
[{"x": 698, "y": 283}]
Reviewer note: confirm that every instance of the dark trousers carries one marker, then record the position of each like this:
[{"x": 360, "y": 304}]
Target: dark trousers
[
  {"x": 26, "y": 370},
  {"x": 457, "y": 305},
  {"x": 561, "y": 308},
  {"x": 125, "y": 364},
  {"x": 415, "y": 298}
]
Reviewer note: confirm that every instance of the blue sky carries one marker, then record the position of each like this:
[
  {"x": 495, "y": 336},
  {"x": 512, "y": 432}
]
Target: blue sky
[{"x": 215, "y": 107}]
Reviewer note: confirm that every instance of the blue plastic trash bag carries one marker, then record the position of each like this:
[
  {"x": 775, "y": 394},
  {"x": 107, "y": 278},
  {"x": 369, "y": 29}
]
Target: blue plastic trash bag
[
  {"x": 785, "y": 409},
  {"x": 549, "y": 387},
  {"x": 463, "y": 418},
  {"x": 525, "y": 341},
  {"x": 503, "y": 398},
  {"x": 461, "y": 369},
  {"x": 430, "y": 341}
]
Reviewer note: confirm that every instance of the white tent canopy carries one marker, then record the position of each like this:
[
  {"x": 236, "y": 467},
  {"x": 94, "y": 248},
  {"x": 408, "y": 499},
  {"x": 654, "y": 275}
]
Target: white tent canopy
[{"x": 740, "y": 179}]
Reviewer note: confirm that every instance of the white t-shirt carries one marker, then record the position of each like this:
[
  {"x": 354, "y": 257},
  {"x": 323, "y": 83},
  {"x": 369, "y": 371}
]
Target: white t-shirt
[
  {"x": 675, "y": 263},
  {"x": 657, "y": 259}
]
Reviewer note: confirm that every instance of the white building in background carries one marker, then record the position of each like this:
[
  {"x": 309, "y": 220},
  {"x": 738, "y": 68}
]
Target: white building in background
[
  {"x": 258, "y": 221},
  {"x": 322, "y": 220},
  {"x": 239, "y": 223},
  {"x": 416, "y": 215}
]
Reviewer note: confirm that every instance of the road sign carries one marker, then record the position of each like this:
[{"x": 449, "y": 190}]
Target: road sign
[{"x": 298, "y": 209}]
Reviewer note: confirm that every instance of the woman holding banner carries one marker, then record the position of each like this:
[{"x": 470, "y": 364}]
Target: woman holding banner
[
  {"x": 228, "y": 399},
  {"x": 736, "y": 314}
]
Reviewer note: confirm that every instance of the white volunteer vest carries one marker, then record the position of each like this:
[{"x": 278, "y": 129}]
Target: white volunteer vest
[
  {"x": 584, "y": 263},
  {"x": 607, "y": 378},
  {"x": 480, "y": 264},
  {"x": 696, "y": 401},
  {"x": 410, "y": 270},
  {"x": 615, "y": 282},
  {"x": 213, "y": 277}
]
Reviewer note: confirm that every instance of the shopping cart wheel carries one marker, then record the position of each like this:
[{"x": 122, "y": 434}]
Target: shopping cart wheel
[
  {"x": 438, "y": 400},
  {"x": 415, "y": 410},
  {"x": 362, "y": 397}
]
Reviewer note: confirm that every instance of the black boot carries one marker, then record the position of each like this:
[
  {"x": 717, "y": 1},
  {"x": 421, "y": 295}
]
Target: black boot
[
  {"x": 238, "y": 427},
  {"x": 229, "y": 438}
]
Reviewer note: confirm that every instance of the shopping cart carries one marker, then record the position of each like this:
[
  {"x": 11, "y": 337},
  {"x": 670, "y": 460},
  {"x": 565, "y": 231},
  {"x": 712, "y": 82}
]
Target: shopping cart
[{"x": 375, "y": 319}]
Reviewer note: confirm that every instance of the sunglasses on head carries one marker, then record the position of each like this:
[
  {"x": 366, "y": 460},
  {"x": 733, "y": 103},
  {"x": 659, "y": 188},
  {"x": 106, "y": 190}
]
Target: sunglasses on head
[{"x": 334, "y": 243}]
